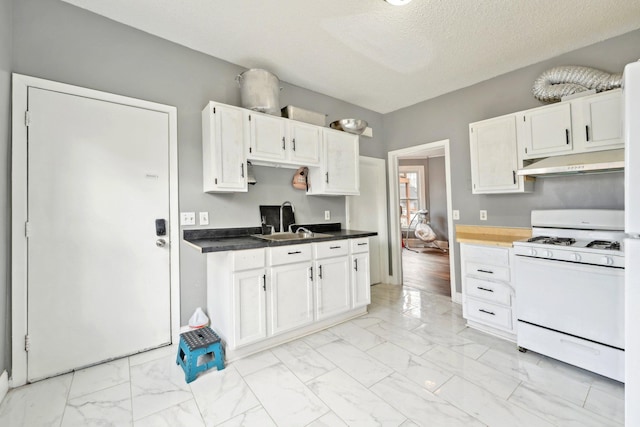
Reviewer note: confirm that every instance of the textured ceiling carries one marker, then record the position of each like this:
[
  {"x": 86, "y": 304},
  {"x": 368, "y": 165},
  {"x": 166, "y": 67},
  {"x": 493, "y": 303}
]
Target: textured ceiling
[{"x": 372, "y": 54}]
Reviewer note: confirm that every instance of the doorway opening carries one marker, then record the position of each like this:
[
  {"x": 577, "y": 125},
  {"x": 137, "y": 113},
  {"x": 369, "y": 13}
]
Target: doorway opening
[{"x": 421, "y": 226}]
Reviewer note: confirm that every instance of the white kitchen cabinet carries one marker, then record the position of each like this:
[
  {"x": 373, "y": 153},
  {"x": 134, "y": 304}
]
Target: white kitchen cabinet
[
  {"x": 487, "y": 293},
  {"x": 223, "y": 149},
  {"x": 332, "y": 290},
  {"x": 236, "y": 302},
  {"x": 545, "y": 131},
  {"x": 338, "y": 173},
  {"x": 599, "y": 126},
  {"x": 360, "y": 275},
  {"x": 494, "y": 157},
  {"x": 282, "y": 141},
  {"x": 290, "y": 289}
]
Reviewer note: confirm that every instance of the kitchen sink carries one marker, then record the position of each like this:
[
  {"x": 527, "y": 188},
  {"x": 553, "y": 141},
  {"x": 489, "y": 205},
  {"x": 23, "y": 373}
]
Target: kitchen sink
[{"x": 290, "y": 236}]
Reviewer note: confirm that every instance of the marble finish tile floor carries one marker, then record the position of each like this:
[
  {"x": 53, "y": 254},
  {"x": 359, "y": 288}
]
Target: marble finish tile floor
[{"x": 409, "y": 362}]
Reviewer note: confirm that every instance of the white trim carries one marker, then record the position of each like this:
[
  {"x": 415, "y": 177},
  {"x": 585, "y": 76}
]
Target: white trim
[
  {"x": 4, "y": 385},
  {"x": 383, "y": 236},
  {"x": 394, "y": 201},
  {"x": 19, "y": 211}
]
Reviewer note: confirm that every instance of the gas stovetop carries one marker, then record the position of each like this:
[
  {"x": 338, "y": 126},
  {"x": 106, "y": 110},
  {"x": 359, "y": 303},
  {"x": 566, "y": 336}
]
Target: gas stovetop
[{"x": 579, "y": 236}]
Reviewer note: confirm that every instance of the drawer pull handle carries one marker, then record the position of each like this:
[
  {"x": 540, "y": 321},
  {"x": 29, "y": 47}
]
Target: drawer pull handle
[
  {"x": 485, "y": 271},
  {"x": 335, "y": 247},
  {"x": 294, "y": 252},
  {"x": 595, "y": 351},
  {"x": 486, "y": 311},
  {"x": 484, "y": 289},
  {"x": 362, "y": 244}
]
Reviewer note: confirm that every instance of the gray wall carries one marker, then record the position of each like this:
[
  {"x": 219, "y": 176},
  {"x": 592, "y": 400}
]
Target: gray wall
[
  {"x": 448, "y": 117},
  {"x": 60, "y": 42},
  {"x": 5, "y": 179},
  {"x": 438, "y": 197}
]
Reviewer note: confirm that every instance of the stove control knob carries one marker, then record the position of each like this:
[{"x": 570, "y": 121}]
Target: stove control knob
[
  {"x": 547, "y": 254},
  {"x": 575, "y": 257},
  {"x": 532, "y": 252},
  {"x": 606, "y": 260}
]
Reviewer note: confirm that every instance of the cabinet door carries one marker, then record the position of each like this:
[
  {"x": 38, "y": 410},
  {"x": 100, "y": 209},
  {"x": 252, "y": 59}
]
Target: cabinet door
[
  {"x": 546, "y": 131},
  {"x": 360, "y": 280},
  {"x": 267, "y": 137},
  {"x": 603, "y": 121},
  {"x": 494, "y": 157},
  {"x": 332, "y": 287},
  {"x": 290, "y": 297},
  {"x": 305, "y": 144},
  {"x": 223, "y": 149},
  {"x": 341, "y": 163},
  {"x": 249, "y": 306}
]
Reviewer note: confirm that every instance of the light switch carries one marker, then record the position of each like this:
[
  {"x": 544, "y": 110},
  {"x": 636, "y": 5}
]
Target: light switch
[
  {"x": 187, "y": 218},
  {"x": 204, "y": 218},
  {"x": 456, "y": 214}
]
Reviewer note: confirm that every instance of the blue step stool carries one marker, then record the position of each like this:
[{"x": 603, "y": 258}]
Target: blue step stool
[{"x": 194, "y": 344}]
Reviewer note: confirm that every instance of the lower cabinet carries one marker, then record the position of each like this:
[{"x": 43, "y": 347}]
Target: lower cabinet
[
  {"x": 360, "y": 273},
  {"x": 290, "y": 297},
  {"x": 257, "y": 298},
  {"x": 332, "y": 278},
  {"x": 487, "y": 293}
]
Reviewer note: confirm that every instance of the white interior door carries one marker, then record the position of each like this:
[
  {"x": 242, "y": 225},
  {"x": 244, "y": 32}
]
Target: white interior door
[
  {"x": 98, "y": 178},
  {"x": 368, "y": 212}
]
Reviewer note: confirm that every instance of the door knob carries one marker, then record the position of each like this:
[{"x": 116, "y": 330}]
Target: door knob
[{"x": 161, "y": 243}]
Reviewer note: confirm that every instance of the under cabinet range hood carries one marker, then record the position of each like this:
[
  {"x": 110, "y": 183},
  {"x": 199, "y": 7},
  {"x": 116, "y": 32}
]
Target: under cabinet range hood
[{"x": 594, "y": 162}]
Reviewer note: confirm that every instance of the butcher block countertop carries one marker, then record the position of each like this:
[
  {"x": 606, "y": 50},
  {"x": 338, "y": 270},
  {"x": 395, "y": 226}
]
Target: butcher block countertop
[{"x": 486, "y": 235}]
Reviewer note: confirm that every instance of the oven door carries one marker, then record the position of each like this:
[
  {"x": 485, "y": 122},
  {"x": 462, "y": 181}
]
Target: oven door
[{"x": 586, "y": 301}]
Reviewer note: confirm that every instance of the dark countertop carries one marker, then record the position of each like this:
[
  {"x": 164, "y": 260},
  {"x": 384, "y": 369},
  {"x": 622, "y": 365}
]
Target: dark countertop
[{"x": 234, "y": 239}]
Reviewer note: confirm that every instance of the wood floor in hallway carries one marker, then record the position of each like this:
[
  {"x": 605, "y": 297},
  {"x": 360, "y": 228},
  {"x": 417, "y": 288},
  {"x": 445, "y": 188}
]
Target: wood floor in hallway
[{"x": 427, "y": 270}]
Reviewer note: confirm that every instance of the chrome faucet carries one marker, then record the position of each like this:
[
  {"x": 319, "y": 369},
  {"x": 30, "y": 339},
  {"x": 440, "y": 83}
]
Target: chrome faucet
[{"x": 281, "y": 216}]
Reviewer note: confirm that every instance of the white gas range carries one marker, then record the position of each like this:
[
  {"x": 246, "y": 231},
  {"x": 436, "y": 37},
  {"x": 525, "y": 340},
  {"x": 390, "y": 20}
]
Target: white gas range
[{"x": 569, "y": 281}]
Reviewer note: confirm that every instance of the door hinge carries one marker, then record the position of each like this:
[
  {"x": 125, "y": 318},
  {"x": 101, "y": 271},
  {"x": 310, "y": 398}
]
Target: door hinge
[
  {"x": 27, "y": 229},
  {"x": 27, "y": 343},
  {"x": 27, "y": 118}
]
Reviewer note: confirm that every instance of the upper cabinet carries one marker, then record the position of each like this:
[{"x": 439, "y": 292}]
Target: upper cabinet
[
  {"x": 545, "y": 130},
  {"x": 600, "y": 121},
  {"x": 339, "y": 172},
  {"x": 588, "y": 123},
  {"x": 223, "y": 152},
  {"x": 283, "y": 141},
  {"x": 502, "y": 145},
  {"x": 494, "y": 157},
  {"x": 233, "y": 135}
]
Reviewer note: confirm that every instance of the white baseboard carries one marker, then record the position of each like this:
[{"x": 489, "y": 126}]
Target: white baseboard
[{"x": 4, "y": 385}]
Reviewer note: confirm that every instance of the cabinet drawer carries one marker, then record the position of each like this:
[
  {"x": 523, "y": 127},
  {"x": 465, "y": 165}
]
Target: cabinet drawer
[
  {"x": 331, "y": 249},
  {"x": 486, "y": 254},
  {"x": 288, "y": 254},
  {"x": 489, "y": 291},
  {"x": 248, "y": 259},
  {"x": 359, "y": 245},
  {"x": 489, "y": 314},
  {"x": 488, "y": 271}
]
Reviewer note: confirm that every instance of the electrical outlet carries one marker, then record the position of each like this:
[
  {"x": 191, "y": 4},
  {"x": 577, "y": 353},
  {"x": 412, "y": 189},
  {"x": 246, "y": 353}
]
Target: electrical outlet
[
  {"x": 456, "y": 214},
  {"x": 483, "y": 215},
  {"x": 327, "y": 215},
  {"x": 204, "y": 218},
  {"x": 187, "y": 218}
]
